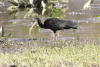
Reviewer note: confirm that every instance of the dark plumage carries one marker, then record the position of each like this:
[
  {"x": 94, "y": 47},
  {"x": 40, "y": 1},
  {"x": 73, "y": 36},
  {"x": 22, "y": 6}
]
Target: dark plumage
[{"x": 56, "y": 24}]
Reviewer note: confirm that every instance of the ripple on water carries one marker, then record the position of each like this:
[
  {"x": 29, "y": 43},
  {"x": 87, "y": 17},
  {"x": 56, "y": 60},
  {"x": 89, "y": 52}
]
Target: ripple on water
[
  {"x": 95, "y": 4},
  {"x": 18, "y": 20},
  {"x": 81, "y": 21},
  {"x": 74, "y": 13},
  {"x": 97, "y": 0},
  {"x": 94, "y": 20},
  {"x": 95, "y": 7},
  {"x": 89, "y": 20}
]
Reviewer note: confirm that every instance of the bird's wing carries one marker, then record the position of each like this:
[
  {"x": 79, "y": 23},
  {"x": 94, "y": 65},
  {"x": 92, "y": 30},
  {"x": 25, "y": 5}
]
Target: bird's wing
[
  {"x": 71, "y": 24},
  {"x": 55, "y": 23},
  {"x": 52, "y": 23},
  {"x": 66, "y": 23},
  {"x": 58, "y": 23},
  {"x": 61, "y": 24}
]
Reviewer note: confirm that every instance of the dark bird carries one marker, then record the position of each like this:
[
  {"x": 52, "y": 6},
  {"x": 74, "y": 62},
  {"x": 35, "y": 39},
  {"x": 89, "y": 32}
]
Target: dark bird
[{"x": 55, "y": 24}]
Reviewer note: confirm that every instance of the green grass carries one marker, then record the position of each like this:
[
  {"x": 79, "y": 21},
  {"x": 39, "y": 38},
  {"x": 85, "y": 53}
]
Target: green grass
[{"x": 69, "y": 54}]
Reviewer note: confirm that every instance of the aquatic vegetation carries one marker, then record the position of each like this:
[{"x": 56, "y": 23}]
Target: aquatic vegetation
[
  {"x": 32, "y": 3},
  {"x": 13, "y": 8},
  {"x": 21, "y": 3},
  {"x": 87, "y": 5},
  {"x": 2, "y": 31}
]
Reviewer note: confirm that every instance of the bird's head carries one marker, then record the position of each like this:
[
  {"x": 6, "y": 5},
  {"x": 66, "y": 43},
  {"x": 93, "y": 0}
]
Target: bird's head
[{"x": 37, "y": 20}]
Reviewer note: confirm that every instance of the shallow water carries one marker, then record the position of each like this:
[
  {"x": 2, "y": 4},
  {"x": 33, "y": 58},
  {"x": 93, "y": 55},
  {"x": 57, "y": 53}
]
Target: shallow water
[{"x": 18, "y": 23}]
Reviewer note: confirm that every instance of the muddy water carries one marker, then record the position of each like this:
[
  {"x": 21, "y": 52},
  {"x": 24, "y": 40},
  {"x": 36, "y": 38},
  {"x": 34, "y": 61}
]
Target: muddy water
[{"x": 18, "y": 23}]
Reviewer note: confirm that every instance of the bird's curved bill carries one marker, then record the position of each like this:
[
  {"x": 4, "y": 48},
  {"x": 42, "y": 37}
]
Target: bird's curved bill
[{"x": 32, "y": 26}]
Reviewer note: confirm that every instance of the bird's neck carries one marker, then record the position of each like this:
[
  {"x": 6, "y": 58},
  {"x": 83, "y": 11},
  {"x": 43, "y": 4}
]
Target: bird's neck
[{"x": 40, "y": 23}]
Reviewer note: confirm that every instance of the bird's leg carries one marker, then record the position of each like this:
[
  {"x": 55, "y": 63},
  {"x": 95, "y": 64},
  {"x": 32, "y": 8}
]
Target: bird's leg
[{"x": 56, "y": 34}]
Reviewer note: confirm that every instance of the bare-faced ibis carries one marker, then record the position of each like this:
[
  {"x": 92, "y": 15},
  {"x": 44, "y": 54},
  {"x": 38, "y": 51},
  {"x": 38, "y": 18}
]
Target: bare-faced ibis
[{"x": 55, "y": 24}]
